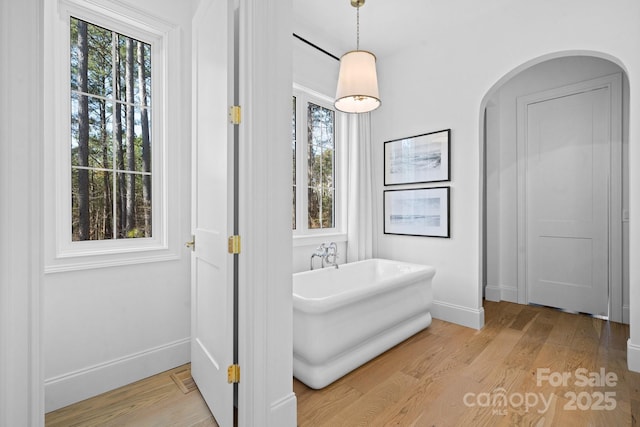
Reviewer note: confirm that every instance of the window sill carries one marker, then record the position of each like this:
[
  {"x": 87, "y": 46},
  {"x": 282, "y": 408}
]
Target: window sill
[
  {"x": 92, "y": 260},
  {"x": 317, "y": 239}
]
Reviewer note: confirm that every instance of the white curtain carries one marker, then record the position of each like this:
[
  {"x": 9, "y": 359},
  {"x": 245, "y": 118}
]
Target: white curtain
[{"x": 360, "y": 204}]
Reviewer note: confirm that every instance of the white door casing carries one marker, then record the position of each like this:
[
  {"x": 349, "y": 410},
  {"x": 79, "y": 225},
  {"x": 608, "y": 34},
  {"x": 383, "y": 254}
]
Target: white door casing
[
  {"x": 569, "y": 143},
  {"x": 212, "y": 274}
]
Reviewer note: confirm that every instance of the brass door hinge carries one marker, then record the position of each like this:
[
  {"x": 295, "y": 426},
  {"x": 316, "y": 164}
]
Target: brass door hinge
[
  {"x": 235, "y": 114},
  {"x": 234, "y": 245},
  {"x": 233, "y": 374}
]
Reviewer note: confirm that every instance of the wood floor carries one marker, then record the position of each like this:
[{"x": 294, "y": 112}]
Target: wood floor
[
  {"x": 426, "y": 380},
  {"x": 447, "y": 375},
  {"x": 156, "y": 401}
]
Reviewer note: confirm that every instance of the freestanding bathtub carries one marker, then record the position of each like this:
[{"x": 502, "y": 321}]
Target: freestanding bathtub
[{"x": 345, "y": 317}]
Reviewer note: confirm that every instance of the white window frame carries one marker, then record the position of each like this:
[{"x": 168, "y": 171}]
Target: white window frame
[
  {"x": 61, "y": 253},
  {"x": 303, "y": 235}
]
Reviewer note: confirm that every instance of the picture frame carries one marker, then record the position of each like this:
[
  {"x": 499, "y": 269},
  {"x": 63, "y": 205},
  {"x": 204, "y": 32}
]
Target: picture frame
[
  {"x": 418, "y": 159},
  {"x": 417, "y": 212}
]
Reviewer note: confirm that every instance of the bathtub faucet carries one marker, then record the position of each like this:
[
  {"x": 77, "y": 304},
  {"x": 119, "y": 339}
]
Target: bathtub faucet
[
  {"x": 332, "y": 254},
  {"x": 321, "y": 252},
  {"x": 328, "y": 255}
]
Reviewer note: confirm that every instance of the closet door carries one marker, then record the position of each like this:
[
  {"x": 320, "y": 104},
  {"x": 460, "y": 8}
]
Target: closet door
[{"x": 568, "y": 168}]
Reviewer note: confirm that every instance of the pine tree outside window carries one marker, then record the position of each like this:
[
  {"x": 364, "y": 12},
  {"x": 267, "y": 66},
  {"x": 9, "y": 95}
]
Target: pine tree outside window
[
  {"x": 110, "y": 134},
  {"x": 321, "y": 158},
  {"x": 115, "y": 137},
  {"x": 316, "y": 155}
]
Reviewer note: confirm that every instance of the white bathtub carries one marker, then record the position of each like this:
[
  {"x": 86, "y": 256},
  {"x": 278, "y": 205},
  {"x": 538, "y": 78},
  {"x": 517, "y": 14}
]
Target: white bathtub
[{"x": 345, "y": 317}]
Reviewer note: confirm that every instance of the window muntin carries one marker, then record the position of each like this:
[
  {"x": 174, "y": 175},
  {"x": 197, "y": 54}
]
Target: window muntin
[
  {"x": 320, "y": 166},
  {"x": 61, "y": 252},
  {"x": 110, "y": 83},
  {"x": 316, "y": 160},
  {"x": 295, "y": 156}
]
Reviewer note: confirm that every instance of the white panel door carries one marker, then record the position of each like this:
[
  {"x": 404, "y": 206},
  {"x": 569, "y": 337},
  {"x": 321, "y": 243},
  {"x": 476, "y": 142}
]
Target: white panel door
[
  {"x": 568, "y": 162},
  {"x": 212, "y": 296}
]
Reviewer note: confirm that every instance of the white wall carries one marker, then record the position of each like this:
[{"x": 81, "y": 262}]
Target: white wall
[
  {"x": 493, "y": 182},
  {"x": 106, "y": 327},
  {"x": 314, "y": 69},
  {"x": 501, "y": 171},
  {"x": 443, "y": 84}
]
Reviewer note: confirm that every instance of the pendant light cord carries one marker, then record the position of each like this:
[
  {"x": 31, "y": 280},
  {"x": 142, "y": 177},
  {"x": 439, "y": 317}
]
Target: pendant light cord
[{"x": 358, "y": 28}]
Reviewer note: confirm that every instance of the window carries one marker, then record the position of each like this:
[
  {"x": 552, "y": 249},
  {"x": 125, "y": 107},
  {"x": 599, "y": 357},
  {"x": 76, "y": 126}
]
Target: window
[
  {"x": 110, "y": 134},
  {"x": 315, "y": 180},
  {"x": 113, "y": 103}
]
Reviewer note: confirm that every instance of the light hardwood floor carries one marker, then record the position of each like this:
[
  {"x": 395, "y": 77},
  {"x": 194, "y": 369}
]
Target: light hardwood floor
[
  {"x": 155, "y": 401},
  {"x": 446, "y": 375}
]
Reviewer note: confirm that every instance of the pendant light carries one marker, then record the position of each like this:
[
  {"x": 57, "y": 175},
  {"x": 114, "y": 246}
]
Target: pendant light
[{"x": 357, "y": 81}]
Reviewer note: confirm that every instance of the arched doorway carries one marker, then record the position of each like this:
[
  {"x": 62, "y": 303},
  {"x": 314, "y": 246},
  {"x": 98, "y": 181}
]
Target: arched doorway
[{"x": 507, "y": 206}]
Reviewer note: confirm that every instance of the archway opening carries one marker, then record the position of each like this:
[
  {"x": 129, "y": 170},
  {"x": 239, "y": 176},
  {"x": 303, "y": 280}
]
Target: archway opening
[{"x": 503, "y": 236}]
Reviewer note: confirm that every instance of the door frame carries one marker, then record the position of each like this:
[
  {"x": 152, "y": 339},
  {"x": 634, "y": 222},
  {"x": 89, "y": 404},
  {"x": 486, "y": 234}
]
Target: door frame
[
  {"x": 265, "y": 305},
  {"x": 613, "y": 82},
  {"x": 22, "y": 217}
]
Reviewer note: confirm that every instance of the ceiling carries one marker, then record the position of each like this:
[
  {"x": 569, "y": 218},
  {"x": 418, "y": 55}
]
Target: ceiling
[
  {"x": 331, "y": 24},
  {"x": 385, "y": 25}
]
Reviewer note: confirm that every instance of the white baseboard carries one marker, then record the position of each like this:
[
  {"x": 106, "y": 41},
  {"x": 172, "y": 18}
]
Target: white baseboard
[
  {"x": 501, "y": 293},
  {"x": 284, "y": 411},
  {"x": 493, "y": 293},
  {"x": 75, "y": 386},
  {"x": 625, "y": 314},
  {"x": 633, "y": 356},
  {"x": 509, "y": 293},
  {"x": 465, "y": 316}
]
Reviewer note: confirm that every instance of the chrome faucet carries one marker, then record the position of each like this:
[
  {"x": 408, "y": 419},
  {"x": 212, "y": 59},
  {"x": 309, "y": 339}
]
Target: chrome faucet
[
  {"x": 320, "y": 252},
  {"x": 332, "y": 254},
  {"x": 328, "y": 254}
]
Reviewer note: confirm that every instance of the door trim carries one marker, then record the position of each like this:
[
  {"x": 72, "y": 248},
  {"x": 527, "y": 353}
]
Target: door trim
[
  {"x": 614, "y": 83},
  {"x": 265, "y": 338}
]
